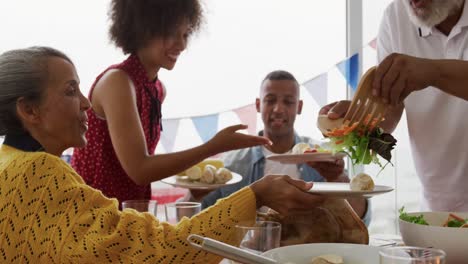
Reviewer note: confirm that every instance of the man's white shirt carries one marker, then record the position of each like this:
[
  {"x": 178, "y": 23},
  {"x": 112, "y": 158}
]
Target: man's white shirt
[{"x": 437, "y": 121}]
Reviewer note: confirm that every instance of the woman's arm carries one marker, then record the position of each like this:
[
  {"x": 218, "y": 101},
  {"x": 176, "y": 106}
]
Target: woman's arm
[
  {"x": 99, "y": 231},
  {"x": 114, "y": 99},
  {"x": 103, "y": 233}
]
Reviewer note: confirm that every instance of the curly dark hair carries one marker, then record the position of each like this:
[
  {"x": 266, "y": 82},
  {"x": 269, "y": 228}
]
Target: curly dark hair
[{"x": 134, "y": 22}]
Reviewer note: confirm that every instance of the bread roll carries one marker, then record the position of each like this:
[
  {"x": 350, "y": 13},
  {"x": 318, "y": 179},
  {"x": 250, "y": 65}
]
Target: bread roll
[
  {"x": 334, "y": 221},
  {"x": 326, "y": 124},
  {"x": 362, "y": 182},
  {"x": 208, "y": 174},
  {"x": 223, "y": 175}
]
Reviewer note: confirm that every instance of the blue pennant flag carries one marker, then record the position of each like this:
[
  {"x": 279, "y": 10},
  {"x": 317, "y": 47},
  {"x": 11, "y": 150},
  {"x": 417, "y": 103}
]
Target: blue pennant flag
[
  {"x": 350, "y": 70},
  {"x": 207, "y": 126}
]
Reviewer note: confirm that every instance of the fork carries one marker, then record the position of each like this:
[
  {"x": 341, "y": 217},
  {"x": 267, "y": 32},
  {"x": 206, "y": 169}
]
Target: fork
[{"x": 365, "y": 108}]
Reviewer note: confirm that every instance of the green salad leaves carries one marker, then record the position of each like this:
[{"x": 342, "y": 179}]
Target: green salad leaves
[
  {"x": 412, "y": 219},
  {"x": 452, "y": 220},
  {"x": 457, "y": 223},
  {"x": 363, "y": 148}
]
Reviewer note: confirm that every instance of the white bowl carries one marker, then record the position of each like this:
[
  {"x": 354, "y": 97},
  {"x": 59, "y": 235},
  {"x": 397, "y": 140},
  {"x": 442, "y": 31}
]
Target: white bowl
[
  {"x": 452, "y": 240},
  {"x": 303, "y": 254}
]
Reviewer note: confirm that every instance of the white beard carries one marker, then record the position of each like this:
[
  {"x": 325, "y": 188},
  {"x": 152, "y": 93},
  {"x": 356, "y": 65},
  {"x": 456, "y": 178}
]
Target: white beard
[{"x": 436, "y": 12}]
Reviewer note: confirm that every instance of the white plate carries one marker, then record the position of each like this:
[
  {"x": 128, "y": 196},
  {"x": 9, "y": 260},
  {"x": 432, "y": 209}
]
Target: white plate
[
  {"x": 184, "y": 182},
  {"x": 342, "y": 189},
  {"x": 306, "y": 157},
  {"x": 303, "y": 254}
]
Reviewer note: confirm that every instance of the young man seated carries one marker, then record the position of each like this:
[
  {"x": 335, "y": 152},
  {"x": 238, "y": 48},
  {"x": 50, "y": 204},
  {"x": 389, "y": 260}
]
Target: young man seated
[{"x": 279, "y": 104}]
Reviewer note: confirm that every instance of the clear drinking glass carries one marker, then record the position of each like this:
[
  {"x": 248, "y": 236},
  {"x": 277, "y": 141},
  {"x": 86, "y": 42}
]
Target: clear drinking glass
[
  {"x": 259, "y": 237},
  {"x": 150, "y": 206},
  {"x": 411, "y": 255},
  {"x": 175, "y": 211}
]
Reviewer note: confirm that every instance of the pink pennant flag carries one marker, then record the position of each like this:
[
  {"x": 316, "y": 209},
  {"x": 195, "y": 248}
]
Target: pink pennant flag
[
  {"x": 373, "y": 43},
  {"x": 248, "y": 116}
]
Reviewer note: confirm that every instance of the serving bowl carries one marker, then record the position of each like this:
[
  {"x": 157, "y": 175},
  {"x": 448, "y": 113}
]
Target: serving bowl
[
  {"x": 452, "y": 240},
  {"x": 303, "y": 254}
]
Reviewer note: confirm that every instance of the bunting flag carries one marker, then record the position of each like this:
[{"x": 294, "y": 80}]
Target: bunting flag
[
  {"x": 350, "y": 70},
  {"x": 207, "y": 126},
  {"x": 248, "y": 116},
  {"x": 318, "y": 88},
  {"x": 373, "y": 43},
  {"x": 168, "y": 135}
]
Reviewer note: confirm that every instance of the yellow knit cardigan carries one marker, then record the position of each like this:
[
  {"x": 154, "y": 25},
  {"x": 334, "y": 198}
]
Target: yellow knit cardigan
[{"x": 49, "y": 215}]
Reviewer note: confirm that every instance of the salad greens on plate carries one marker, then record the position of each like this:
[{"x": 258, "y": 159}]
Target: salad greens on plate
[{"x": 362, "y": 143}]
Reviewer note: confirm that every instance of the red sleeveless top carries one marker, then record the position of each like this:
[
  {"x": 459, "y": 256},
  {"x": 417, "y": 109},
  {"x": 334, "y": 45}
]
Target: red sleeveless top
[{"x": 97, "y": 163}]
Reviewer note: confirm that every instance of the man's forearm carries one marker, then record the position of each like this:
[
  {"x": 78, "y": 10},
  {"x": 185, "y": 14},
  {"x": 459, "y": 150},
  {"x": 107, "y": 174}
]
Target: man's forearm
[{"x": 452, "y": 77}]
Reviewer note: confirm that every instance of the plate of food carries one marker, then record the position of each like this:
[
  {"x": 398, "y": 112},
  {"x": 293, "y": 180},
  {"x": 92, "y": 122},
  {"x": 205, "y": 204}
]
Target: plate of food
[
  {"x": 206, "y": 175},
  {"x": 343, "y": 190},
  {"x": 306, "y": 157},
  {"x": 184, "y": 181},
  {"x": 361, "y": 185},
  {"x": 325, "y": 253},
  {"x": 303, "y": 152}
]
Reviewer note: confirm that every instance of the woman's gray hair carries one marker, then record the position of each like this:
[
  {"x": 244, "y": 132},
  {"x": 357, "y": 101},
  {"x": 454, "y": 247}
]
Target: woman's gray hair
[{"x": 23, "y": 73}]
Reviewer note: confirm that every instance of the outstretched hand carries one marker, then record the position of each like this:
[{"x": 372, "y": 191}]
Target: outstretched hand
[{"x": 230, "y": 139}]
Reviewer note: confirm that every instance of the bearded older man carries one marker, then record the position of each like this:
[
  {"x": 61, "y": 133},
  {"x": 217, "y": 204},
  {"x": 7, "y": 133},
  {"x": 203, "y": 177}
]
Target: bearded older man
[{"x": 422, "y": 48}]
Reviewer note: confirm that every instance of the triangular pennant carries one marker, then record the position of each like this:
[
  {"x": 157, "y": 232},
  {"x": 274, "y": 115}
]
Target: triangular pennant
[
  {"x": 350, "y": 70},
  {"x": 318, "y": 88},
  {"x": 168, "y": 135},
  {"x": 207, "y": 126},
  {"x": 373, "y": 43},
  {"x": 248, "y": 116}
]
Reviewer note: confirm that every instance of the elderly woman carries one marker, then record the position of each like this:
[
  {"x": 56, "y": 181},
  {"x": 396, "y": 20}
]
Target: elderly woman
[{"x": 48, "y": 213}]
